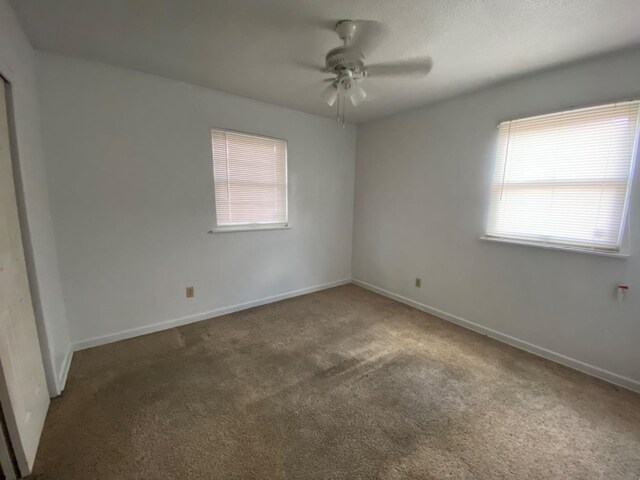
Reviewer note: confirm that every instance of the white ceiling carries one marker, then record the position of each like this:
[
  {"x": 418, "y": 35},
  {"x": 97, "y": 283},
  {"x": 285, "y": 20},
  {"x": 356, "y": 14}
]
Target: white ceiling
[{"x": 261, "y": 48}]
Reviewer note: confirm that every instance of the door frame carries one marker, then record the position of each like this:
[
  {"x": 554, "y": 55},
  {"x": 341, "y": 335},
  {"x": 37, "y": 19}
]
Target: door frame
[
  {"x": 8, "y": 466},
  {"x": 6, "y": 75}
]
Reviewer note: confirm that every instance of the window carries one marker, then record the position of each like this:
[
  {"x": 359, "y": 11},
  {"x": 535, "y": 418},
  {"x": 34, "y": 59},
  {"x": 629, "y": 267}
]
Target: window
[
  {"x": 564, "y": 179},
  {"x": 250, "y": 179}
]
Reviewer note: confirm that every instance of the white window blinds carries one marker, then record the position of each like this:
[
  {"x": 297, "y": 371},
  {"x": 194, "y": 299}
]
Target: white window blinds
[
  {"x": 250, "y": 178},
  {"x": 564, "y": 178}
]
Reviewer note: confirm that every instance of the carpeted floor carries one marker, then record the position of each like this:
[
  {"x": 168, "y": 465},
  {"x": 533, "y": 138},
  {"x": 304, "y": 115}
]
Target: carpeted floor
[{"x": 340, "y": 384}]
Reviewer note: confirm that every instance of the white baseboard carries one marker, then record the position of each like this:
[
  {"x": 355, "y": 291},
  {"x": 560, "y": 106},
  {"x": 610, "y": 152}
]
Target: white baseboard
[
  {"x": 165, "y": 325},
  {"x": 64, "y": 370},
  {"x": 514, "y": 342}
]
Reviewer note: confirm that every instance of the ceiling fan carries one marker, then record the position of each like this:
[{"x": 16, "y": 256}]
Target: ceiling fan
[{"x": 347, "y": 63}]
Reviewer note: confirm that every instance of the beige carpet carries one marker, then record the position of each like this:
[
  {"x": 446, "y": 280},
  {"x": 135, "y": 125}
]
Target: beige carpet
[{"x": 340, "y": 384}]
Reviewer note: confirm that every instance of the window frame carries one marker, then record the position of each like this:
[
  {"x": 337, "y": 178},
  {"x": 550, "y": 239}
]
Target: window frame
[
  {"x": 624, "y": 250},
  {"x": 256, "y": 226}
]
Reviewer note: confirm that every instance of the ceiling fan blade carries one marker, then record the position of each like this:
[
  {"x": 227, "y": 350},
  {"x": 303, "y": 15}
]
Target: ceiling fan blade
[
  {"x": 368, "y": 36},
  {"x": 309, "y": 66},
  {"x": 416, "y": 67}
]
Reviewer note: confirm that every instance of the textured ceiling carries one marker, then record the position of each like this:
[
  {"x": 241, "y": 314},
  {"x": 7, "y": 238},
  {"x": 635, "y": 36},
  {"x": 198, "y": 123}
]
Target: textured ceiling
[{"x": 259, "y": 48}]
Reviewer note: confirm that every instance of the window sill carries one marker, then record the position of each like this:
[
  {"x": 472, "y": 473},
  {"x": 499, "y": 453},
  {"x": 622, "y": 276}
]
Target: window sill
[
  {"x": 550, "y": 246},
  {"x": 250, "y": 228}
]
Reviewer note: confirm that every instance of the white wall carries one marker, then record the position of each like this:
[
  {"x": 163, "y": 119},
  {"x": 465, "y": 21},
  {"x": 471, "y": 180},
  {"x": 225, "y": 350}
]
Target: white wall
[
  {"x": 17, "y": 64},
  {"x": 129, "y": 168},
  {"x": 422, "y": 183}
]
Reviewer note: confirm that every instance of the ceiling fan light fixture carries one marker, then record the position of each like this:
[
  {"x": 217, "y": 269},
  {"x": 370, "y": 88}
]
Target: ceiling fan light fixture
[
  {"x": 346, "y": 82},
  {"x": 330, "y": 95},
  {"x": 358, "y": 95}
]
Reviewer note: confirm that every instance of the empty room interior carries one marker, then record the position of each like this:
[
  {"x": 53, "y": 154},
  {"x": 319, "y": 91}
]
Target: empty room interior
[{"x": 297, "y": 239}]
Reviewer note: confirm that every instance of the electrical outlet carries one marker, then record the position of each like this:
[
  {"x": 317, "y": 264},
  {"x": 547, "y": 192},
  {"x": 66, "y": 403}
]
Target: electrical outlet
[
  {"x": 189, "y": 292},
  {"x": 418, "y": 282},
  {"x": 623, "y": 291}
]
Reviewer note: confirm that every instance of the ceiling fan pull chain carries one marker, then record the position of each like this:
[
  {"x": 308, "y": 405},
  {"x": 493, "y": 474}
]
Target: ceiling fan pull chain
[{"x": 344, "y": 109}]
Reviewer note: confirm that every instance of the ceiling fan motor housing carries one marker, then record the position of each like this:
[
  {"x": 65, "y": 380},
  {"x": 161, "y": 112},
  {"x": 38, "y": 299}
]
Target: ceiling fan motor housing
[{"x": 345, "y": 58}]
